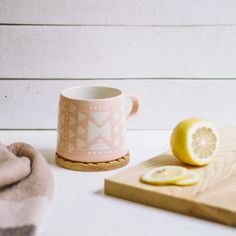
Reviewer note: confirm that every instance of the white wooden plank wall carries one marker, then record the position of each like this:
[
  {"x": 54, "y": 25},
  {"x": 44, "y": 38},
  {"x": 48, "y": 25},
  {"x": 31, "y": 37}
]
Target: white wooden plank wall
[
  {"x": 121, "y": 12},
  {"x": 117, "y": 52},
  {"x": 130, "y": 44},
  {"x": 33, "y": 103}
]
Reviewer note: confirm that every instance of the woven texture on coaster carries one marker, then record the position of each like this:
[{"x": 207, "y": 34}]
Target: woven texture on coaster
[{"x": 92, "y": 166}]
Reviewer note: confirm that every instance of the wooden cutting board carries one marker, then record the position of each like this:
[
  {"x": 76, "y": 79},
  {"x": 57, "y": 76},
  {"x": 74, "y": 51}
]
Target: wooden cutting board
[{"x": 214, "y": 198}]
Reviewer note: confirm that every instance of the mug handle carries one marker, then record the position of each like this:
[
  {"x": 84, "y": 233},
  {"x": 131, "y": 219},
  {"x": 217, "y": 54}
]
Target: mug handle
[{"x": 135, "y": 107}]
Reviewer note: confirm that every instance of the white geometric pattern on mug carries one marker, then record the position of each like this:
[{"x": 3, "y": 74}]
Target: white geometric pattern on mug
[
  {"x": 73, "y": 108},
  {"x": 99, "y": 145},
  {"x": 81, "y": 130},
  {"x": 81, "y": 116},
  {"x": 80, "y": 143},
  {"x": 116, "y": 115},
  {"x": 100, "y": 116},
  {"x": 102, "y": 129},
  {"x": 95, "y": 131}
]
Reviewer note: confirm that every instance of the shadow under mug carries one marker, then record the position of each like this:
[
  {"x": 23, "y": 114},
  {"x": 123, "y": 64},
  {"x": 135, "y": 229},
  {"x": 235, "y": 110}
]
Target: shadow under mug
[{"x": 92, "y": 123}]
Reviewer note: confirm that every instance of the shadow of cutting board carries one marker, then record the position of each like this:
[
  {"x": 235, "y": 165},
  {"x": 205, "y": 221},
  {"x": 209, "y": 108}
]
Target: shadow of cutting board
[{"x": 214, "y": 198}]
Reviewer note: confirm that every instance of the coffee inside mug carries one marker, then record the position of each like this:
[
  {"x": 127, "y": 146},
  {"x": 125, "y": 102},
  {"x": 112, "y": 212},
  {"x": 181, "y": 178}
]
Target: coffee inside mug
[{"x": 87, "y": 93}]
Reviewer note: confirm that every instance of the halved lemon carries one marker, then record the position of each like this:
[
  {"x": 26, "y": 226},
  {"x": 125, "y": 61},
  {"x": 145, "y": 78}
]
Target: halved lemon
[
  {"x": 191, "y": 179},
  {"x": 195, "y": 141},
  {"x": 165, "y": 175}
]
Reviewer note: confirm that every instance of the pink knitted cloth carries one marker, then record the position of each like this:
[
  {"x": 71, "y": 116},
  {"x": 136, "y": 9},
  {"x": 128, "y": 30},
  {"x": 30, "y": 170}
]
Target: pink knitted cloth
[{"x": 26, "y": 189}]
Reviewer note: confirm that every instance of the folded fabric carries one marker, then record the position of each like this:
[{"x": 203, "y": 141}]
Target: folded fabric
[{"x": 26, "y": 189}]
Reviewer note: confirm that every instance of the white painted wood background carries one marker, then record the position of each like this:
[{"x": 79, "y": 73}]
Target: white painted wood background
[
  {"x": 121, "y": 12},
  {"x": 130, "y": 44},
  {"x": 33, "y": 103},
  {"x": 117, "y": 52}
]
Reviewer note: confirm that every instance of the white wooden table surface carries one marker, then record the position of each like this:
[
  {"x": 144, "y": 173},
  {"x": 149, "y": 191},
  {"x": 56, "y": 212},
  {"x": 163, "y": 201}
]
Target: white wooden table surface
[{"x": 81, "y": 208}]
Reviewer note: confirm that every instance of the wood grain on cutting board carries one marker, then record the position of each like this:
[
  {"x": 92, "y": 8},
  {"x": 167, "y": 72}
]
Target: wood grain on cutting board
[{"x": 214, "y": 198}]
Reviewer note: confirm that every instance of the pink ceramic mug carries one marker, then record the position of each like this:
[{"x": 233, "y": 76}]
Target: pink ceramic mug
[{"x": 92, "y": 123}]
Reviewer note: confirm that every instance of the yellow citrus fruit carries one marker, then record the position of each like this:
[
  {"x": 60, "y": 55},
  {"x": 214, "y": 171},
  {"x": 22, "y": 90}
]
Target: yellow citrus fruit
[
  {"x": 191, "y": 179},
  {"x": 164, "y": 175},
  {"x": 195, "y": 141}
]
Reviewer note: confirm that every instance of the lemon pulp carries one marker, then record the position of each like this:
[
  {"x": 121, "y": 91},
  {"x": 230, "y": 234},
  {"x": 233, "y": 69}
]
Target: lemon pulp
[
  {"x": 164, "y": 175},
  {"x": 195, "y": 141},
  {"x": 204, "y": 142},
  {"x": 191, "y": 178},
  {"x": 175, "y": 175}
]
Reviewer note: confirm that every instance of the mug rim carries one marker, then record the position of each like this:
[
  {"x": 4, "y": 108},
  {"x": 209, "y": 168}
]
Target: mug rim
[{"x": 120, "y": 93}]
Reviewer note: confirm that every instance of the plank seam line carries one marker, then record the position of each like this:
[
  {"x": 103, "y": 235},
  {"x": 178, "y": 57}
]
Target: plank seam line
[
  {"x": 112, "y": 79},
  {"x": 117, "y": 25}
]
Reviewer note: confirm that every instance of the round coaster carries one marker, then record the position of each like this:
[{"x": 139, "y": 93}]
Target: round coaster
[{"x": 92, "y": 166}]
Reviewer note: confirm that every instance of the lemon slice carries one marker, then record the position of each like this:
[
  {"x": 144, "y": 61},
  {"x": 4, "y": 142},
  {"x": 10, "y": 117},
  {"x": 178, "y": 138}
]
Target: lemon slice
[
  {"x": 191, "y": 179},
  {"x": 164, "y": 175},
  {"x": 195, "y": 141}
]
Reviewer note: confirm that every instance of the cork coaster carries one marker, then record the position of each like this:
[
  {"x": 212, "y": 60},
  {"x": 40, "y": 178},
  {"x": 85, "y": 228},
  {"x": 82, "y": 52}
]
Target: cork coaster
[{"x": 92, "y": 166}]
